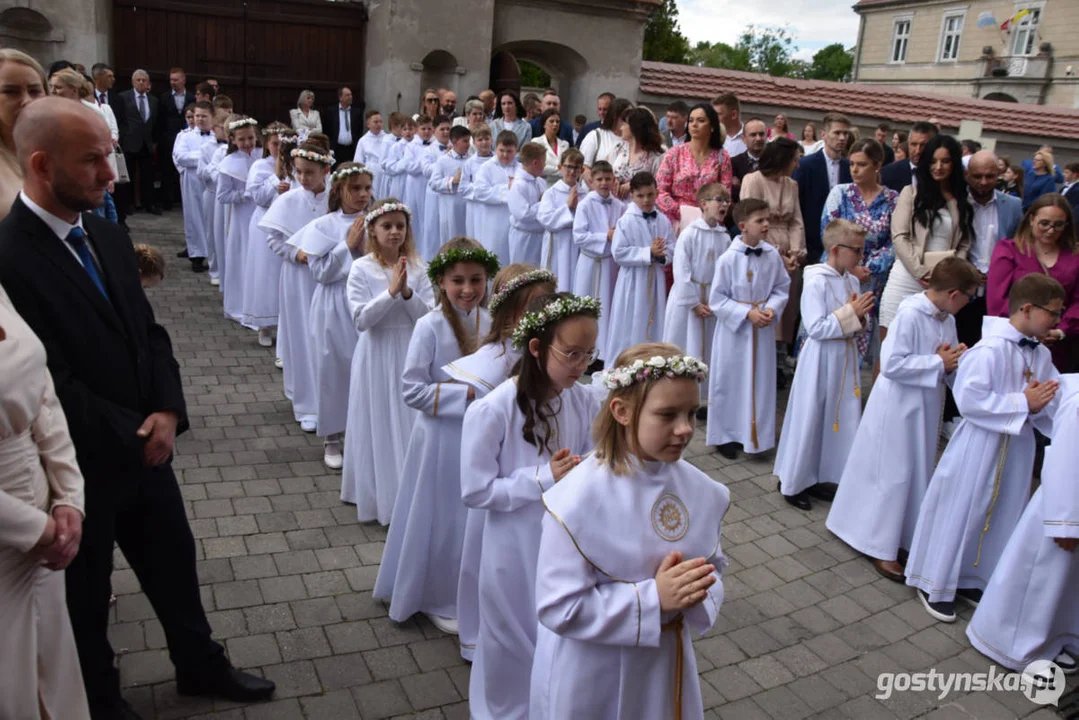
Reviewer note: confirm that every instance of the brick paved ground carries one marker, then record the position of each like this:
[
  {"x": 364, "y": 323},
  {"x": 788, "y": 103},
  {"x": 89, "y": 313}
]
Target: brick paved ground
[{"x": 287, "y": 574}]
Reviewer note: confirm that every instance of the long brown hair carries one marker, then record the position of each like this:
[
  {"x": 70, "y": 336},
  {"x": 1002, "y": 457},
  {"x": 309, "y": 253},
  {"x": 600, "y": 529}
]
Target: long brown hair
[
  {"x": 467, "y": 341},
  {"x": 506, "y": 316},
  {"x": 274, "y": 128},
  {"x": 370, "y": 245},
  {"x": 1024, "y": 234},
  {"x": 284, "y": 166}
]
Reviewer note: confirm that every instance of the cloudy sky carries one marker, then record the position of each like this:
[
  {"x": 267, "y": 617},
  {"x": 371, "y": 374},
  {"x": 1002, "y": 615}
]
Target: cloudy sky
[{"x": 815, "y": 23}]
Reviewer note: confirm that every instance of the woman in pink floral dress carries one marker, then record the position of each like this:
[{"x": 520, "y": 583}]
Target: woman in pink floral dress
[{"x": 692, "y": 165}]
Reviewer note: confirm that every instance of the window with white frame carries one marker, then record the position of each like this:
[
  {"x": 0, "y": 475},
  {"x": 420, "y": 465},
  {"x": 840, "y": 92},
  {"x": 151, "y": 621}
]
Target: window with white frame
[
  {"x": 900, "y": 38},
  {"x": 951, "y": 32},
  {"x": 1024, "y": 34}
]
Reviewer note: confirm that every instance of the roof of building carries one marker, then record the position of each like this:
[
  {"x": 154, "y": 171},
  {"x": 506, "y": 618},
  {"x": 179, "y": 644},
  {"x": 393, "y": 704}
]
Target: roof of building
[
  {"x": 862, "y": 4},
  {"x": 687, "y": 81}
]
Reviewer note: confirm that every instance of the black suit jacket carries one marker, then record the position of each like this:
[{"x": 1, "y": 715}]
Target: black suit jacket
[
  {"x": 139, "y": 133},
  {"x": 331, "y": 125},
  {"x": 119, "y": 110},
  {"x": 171, "y": 121},
  {"x": 741, "y": 165},
  {"x": 1072, "y": 196},
  {"x": 111, "y": 362},
  {"x": 813, "y": 189},
  {"x": 896, "y": 175},
  {"x": 889, "y": 154}
]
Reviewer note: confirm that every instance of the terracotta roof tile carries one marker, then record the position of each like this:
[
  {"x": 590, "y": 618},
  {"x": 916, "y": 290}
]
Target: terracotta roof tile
[{"x": 687, "y": 81}]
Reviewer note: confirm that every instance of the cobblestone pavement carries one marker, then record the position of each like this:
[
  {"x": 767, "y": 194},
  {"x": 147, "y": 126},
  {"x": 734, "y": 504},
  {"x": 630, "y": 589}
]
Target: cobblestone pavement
[{"x": 287, "y": 573}]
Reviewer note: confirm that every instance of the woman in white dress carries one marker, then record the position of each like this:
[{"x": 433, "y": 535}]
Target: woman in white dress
[
  {"x": 929, "y": 223},
  {"x": 305, "y": 119},
  {"x": 388, "y": 291},
  {"x": 514, "y": 288},
  {"x": 331, "y": 242},
  {"x": 422, "y": 560},
  {"x": 232, "y": 195},
  {"x": 286, "y": 216},
  {"x": 551, "y": 122},
  {"x": 517, "y": 443},
  {"x": 599, "y": 143},
  {"x": 41, "y": 511}
]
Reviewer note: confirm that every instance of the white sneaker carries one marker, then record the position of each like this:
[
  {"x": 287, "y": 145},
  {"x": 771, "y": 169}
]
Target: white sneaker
[
  {"x": 308, "y": 425},
  {"x": 278, "y": 363},
  {"x": 446, "y": 625},
  {"x": 215, "y": 281},
  {"x": 947, "y": 429},
  {"x": 332, "y": 455},
  {"x": 265, "y": 337}
]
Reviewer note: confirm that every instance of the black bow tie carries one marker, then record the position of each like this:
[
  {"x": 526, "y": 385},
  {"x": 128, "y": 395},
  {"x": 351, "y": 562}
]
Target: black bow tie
[
  {"x": 443, "y": 148},
  {"x": 606, "y": 200},
  {"x": 941, "y": 316},
  {"x": 649, "y": 215},
  {"x": 754, "y": 251},
  {"x": 204, "y": 133},
  {"x": 1028, "y": 343},
  {"x": 426, "y": 142}
]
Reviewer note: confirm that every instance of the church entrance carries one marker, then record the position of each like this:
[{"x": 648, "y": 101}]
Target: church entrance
[{"x": 262, "y": 52}]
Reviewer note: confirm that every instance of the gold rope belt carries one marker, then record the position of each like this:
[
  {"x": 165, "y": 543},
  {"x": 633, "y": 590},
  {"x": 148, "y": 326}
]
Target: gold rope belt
[
  {"x": 675, "y": 626},
  {"x": 753, "y": 381},
  {"x": 1002, "y": 458}
]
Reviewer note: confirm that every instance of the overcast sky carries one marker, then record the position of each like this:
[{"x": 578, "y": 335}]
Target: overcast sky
[{"x": 815, "y": 23}]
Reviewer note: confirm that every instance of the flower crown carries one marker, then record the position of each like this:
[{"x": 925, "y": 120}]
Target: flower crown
[
  {"x": 444, "y": 261},
  {"x": 289, "y": 139},
  {"x": 533, "y": 323},
  {"x": 387, "y": 208},
  {"x": 242, "y": 123},
  {"x": 655, "y": 368},
  {"x": 515, "y": 284},
  {"x": 313, "y": 156},
  {"x": 354, "y": 170}
]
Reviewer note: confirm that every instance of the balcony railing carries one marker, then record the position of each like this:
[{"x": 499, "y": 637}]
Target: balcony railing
[{"x": 1019, "y": 67}]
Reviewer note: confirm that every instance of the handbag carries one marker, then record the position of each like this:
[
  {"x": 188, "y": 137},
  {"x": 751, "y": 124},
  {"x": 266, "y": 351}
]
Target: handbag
[{"x": 122, "y": 175}]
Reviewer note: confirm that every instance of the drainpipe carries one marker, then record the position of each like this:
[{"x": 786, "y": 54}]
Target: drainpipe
[
  {"x": 1044, "y": 92},
  {"x": 858, "y": 54}
]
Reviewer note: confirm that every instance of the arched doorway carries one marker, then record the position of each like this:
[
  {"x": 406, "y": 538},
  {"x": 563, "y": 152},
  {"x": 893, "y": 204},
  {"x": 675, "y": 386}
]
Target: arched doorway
[
  {"x": 439, "y": 71},
  {"x": 564, "y": 65},
  {"x": 505, "y": 73},
  {"x": 1000, "y": 97}
]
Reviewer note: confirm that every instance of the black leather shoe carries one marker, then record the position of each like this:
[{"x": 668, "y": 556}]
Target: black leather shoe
[
  {"x": 199, "y": 265},
  {"x": 702, "y": 414},
  {"x": 823, "y": 491},
  {"x": 728, "y": 450},
  {"x": 800, "y": 501},
  {"x": 182, "y": 253},
  {"x": 119, "y": 710},
  {"x": 229, "y": 683}
]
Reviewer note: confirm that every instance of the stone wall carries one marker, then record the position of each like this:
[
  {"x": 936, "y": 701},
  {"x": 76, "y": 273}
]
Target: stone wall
[{"x": 50, "y": 30}]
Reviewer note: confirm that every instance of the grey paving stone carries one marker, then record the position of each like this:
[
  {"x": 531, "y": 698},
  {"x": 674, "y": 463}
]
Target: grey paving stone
[
  {"x": 388, "y": 663},
  {"x": 381, "y": 700},
  {"x": 337, "y": 705},
  {"x": 429, "y": 690},
  {"x": 351, "y": 637},
  {"x": 293, "y": 679},
  {"x": 303, "y": 644},
  {"x": 254, "y": 651},
  {"x": 342, "y": 671}
]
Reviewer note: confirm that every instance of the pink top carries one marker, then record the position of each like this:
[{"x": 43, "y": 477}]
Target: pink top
[
  {"x": 772, "y": 134},
  {"x": 1009, "y": 264},
  {"x": 679, "y": 178}
]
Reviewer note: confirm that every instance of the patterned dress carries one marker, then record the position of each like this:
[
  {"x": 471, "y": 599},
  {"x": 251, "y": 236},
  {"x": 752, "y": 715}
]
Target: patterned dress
[
  {"x": 845, "y": 202},
  {"x": 625, "y": 168},
  {"x": 680, "y": 177}
]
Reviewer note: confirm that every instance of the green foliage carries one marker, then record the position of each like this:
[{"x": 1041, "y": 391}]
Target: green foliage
[
  {"x": 833, "y": 62},
  {"x": 533, "y": 75},
  {"x": 719, "y": 55},
  {"x": 663, "y": 41},
  {"x": 771, "y": 50}
]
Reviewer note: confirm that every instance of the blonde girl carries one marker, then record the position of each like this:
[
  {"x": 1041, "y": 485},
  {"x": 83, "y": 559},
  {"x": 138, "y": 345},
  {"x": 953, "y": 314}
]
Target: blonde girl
[
  {"x": 232, "y": 196},
  {"x": 262, "y": 266}
]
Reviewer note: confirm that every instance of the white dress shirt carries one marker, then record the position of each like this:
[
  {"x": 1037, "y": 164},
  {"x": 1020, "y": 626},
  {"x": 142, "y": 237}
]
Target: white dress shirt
[
  {"x": 734, "y": 144},
  {"x": 178, "y": 100},
  {"x": 833, "y": 169},
  {"x": 986, "y": 233},
  {"x": 344, "y": 125}
]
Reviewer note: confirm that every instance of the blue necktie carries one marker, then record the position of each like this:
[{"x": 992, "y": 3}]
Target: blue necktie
[{"x": 77, "y": 240}]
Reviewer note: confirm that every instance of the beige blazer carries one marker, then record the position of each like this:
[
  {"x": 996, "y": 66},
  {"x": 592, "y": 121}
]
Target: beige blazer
[
  {"x": 909, "y": 237},
  {"x": 311, "y": 122}
]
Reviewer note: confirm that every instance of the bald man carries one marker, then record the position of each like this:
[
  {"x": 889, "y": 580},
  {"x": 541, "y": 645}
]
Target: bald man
[{"x": 73, "y": 278}]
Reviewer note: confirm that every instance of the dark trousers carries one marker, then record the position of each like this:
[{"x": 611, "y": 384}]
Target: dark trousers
[
  {"x": 343, "y": 153},
  {"x": 144, "y": 515},
  {"x": 140, "y": 167},
  {"x": 170, "y": 176},
  {"x": 968, "y": 327}
]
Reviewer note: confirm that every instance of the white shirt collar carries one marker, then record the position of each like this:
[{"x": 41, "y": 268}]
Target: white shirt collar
[{"x": 58, "y": 226}]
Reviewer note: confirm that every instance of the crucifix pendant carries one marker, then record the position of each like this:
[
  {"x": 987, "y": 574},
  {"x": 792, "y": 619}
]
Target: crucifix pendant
[
  {"x": 1028, "y": 374},
  {"x": 749, "y": 275}
]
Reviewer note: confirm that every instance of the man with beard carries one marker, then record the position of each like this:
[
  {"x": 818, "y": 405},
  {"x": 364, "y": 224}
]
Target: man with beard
[{"x": 74, "y": 279}]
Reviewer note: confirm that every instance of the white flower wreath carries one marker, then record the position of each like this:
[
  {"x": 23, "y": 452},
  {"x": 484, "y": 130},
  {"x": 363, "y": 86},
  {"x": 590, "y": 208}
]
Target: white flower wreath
[
  {"x": 655, "y": 368},
  {"x": 313, "y": 156},
  {"x": 387, "y": 208},
  {"x": 529, "y": 278},
  {"x": 242, "y": 123},
  {"x": 533, "y": 323},
  {"x": 354, "y": 170}
]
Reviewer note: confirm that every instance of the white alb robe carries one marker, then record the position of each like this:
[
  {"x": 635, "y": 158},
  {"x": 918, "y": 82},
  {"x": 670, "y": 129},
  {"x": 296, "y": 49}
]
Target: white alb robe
[
  {"x": 185, "y": 156},
  {"x": 526, "y": 233},
  {"x": 825, "y": 402},
  {"x": 595, "y": 272},
  {"x": 982, "y": 482},
  {"x": 467, "y": 188},
  {"x": 394, "y": 168},
  {"x": 415, "y": 186},
  {"x": 262, "y": 266},
  {"x": 288, "y": 214},
  {"x": 422, "y": 560},
  {"x": 379, "y": 423},
  {"x": 490, "y": 191},
  {"x": 893, "y": 453},
  {"x": 331, "y": 334},
  {"x": 211, "y": 155},
  {"x": 369, "y": 151},
  {"x": 744, "y": 384},
  {"x": 699, "y": 246},
  {"x": 430, "y": 238},
  {"x": 559, "y": 254},
  {"x": 1028, "y": 611},
  {"x": 506, "y": 476},
  {"x": 603, "y": 647},
  {"x": 232, "y": 195},
  {"x": 451, "y": 201},
  {"x": 483, "y": 370},
  {"x": 639, "y": 302}
]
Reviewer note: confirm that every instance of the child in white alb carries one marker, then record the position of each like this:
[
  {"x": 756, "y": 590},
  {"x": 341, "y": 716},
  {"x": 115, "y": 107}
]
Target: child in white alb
[
  {"x": 490, "y": 191},
  {"x": 445, "y": 182},
  {"x": 523, "y": 200},
  {"x": 481, "y": 153},
  {"x": 232, "y": 195},
  {"x": 556, "y": 213}
]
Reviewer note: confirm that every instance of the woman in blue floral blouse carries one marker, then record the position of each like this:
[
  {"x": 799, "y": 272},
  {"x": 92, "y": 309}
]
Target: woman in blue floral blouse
[{"x": 868, "y": 203}]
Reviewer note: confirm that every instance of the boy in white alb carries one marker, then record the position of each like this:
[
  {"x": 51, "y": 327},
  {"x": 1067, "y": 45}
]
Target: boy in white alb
[
  {"x": 689, "y": 323},
  {"x": 523, "y": 200},
  {"x": 825, "y": 401},
  {"x": 593, "y": 229},
  {"x": 1028, "y": 610},
  {"x": 1004, "y": 386},
  {"x": 390, "y": 139},
  {"x": 893, "y": 453},
  {"x": 642, "y": 244},
  {"x": 445, "y": 182},
  {"x": 430, "y": 238},
  {"x": 185, "y": 156},
  {"x": 370, "y": 148},
  {"x": 415, "y": 186},
  {"x": 556, "y": 212},
  {"x": 490, "y": 190},
  {"x": 481, "y": 147},
  {"x": 749, "y": 291},
  {"x": 394, "y": 163}
]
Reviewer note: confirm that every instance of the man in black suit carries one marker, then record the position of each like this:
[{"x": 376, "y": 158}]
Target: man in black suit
[
  {"x": 755, "y": 135},
  {"x": 883, "y": 134},
  {"x": 817, "y": 174},
  {"x": 104, "y": 79},
  {"x": 343, "y": 124},
  {"x": 551, "y": 101},
  {"x": 1070, "y": 191},
  {"x": 138, "y": 141},
  {"x": 603, "y": 104},
  {"x": 73, "y": 278},
  {"x": 170, "y": 122},
  {"x": 901, "y": 172}
]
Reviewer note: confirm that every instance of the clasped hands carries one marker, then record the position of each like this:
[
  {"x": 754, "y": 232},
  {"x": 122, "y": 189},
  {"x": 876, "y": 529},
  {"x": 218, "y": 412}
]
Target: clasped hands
[{"x": 59, "y": 543}]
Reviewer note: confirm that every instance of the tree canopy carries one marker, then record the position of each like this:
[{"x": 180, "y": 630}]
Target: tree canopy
[
  {"x": 663, "y": 41},
  {"x": 832, "y": 62}
]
